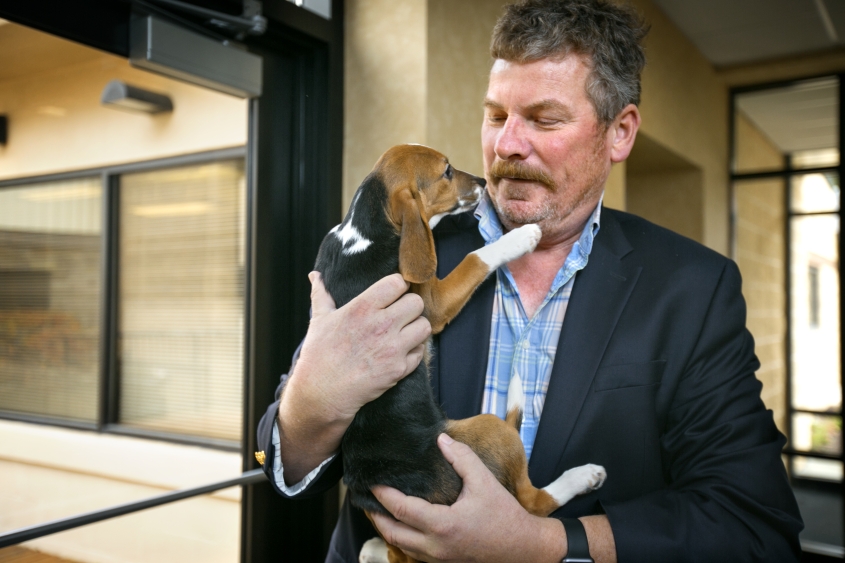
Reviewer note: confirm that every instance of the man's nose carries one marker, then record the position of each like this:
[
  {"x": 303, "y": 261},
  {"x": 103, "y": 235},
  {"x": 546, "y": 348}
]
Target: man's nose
[{"x": 512, "y": 141}]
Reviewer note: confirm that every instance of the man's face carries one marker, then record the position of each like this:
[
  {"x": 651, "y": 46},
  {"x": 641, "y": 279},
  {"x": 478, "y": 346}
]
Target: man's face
[{"x": 546, "y": 157}]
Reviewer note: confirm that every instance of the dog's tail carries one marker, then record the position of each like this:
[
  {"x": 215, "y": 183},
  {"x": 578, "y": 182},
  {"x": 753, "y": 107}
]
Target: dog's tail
[{"x": 516, "y": 400}]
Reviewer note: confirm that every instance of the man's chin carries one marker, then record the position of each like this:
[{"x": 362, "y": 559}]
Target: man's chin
[{"x": 517, "y": 213}]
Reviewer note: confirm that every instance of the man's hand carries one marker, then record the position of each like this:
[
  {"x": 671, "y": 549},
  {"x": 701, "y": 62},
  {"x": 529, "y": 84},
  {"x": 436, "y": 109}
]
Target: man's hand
[
  {"x": 486, "y": 523},
  {"x": 349, "y": 357}
]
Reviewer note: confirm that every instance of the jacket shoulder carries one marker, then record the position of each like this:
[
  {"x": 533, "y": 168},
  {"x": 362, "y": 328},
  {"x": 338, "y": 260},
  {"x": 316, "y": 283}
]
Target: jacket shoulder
[{"x": 648, "y": 239}]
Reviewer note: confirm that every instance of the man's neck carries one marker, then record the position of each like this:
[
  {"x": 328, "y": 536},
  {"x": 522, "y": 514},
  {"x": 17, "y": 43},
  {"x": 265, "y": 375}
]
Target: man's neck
[{"x": 534, "y": 274}]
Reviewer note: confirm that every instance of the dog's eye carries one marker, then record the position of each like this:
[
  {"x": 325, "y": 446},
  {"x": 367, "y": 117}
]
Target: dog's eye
[{"x": 449, "y": 172}]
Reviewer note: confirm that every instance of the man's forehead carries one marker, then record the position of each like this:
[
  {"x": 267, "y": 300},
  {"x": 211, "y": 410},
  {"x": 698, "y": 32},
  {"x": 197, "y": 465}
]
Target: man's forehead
[{"x": 543, "y": 79}]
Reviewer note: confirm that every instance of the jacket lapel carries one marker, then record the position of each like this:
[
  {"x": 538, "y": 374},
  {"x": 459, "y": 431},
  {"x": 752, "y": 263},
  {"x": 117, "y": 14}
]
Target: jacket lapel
[
  {"x": 463, "y": 345},
  {"x": 600, "y": 293}
]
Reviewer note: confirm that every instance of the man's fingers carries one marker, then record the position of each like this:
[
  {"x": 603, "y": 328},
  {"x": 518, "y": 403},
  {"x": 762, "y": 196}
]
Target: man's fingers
[
  {"x": 413, "y": 359},
  {"x": 414, "y": 338},
  {"x": 385, "y": 291},
  {"x": 413, "y": 511},
  {"x": 321, "y": 302},
  {"x": 399, "y": 534},
  {"x": 464, "y": 461}
]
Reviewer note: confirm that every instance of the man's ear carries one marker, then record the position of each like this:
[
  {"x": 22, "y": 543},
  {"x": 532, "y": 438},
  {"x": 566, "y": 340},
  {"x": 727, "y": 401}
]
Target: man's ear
[
  {"x": 417, "y": 259},
  {"x": 623, "y": 133}
]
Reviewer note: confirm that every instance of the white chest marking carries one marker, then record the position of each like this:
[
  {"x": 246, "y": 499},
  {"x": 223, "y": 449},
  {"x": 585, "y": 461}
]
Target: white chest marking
[{"x": 351, "y": 238}]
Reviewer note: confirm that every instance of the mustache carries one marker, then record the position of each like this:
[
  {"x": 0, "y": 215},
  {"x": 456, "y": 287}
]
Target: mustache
[{"x": 520, "y": 171}]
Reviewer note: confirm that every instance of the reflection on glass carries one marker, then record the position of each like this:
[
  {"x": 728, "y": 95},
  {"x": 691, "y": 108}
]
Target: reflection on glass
[
  {"x": 818, "y": 158},
  {"x": 815, "y": 468},
  {"x": 50, "y": 298},
  {"x": 817, "y": 433},
  {"x": 813, "y": 193},
  {"x": 815, "y": 313},
  {"x": 181, "y": 299}
]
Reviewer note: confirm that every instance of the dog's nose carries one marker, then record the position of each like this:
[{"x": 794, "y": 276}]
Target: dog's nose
[{"x": 480, "y": 181}]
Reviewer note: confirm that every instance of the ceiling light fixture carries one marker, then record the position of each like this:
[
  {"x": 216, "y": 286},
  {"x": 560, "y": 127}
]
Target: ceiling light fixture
[{"x": 124, "y": 96}]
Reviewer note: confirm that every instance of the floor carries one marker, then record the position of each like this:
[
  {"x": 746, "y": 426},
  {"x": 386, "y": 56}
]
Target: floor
[
  {"x": 822, "y": 514},
  {"x": 17, "y": 554}
]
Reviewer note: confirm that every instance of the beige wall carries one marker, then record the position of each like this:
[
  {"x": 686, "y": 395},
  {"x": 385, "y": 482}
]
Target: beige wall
[
  {"x": 57, "y": 124},
  {"x": 385, "y": 82},
  {"x": 665, "y": 188},
  {"x": 759, "y": 250},
  {"x": 685, "y": 108},
  {"x": 416, "y": 72},
  {"x": 670, "y": 198},
  {"x": 459, "y": 63}
]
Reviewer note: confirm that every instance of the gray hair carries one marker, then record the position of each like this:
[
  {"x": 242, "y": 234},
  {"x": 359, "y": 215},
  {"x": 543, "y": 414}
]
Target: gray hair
[{"x": 609, "y": 35}]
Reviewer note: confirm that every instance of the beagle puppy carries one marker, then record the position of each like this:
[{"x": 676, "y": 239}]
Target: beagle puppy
[{"x": 392, "y": 440}]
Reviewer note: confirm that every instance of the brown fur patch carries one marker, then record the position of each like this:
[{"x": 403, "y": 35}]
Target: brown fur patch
[{"x": 498, "y": 445}]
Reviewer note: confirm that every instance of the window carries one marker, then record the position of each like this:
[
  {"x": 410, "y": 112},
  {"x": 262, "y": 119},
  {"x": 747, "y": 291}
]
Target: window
[
  {"x": 147, "y": 337},
  {"x": 181, "y": 299},
  {"x": 786, "y": 237},
  {"x": 50, "y": 260}
]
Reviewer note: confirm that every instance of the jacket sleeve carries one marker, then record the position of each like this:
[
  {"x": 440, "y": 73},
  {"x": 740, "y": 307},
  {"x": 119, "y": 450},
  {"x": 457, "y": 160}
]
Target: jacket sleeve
[
  {"x": 321, "y": 481},
  {"x": 727, "y": 496}
]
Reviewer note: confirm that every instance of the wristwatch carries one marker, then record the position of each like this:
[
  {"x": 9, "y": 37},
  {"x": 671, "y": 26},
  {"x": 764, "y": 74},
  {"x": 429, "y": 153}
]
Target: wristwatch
[{"x": 576, "y": 537}]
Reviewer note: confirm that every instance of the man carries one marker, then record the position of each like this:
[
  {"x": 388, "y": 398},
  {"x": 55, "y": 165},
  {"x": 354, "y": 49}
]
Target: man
[{"x": 651, "y": 375}]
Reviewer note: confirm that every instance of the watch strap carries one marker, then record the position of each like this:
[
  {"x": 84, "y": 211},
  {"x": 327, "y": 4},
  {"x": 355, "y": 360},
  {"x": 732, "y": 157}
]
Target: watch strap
[{"x": 576, "y": 538}]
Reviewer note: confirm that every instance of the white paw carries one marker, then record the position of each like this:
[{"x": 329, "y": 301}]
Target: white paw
[
  {"x": 511, "y": 246},
  {"x": 373, "y": 551},
  {"x": 576, "y": 481}
]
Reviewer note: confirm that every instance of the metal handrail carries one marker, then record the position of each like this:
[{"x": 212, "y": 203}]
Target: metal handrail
[{"x": 38, "y": 530}]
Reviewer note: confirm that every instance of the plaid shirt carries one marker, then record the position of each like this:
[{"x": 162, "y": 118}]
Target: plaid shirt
[{"x": 519, "y": 345}]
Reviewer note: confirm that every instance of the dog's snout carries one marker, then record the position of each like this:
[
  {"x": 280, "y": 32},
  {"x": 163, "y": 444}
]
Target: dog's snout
[{"x": 480, "y": 181}]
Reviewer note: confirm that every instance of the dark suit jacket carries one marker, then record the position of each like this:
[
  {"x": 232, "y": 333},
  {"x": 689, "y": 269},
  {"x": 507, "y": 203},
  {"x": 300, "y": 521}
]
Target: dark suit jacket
[{"x": 654, "y": 380}]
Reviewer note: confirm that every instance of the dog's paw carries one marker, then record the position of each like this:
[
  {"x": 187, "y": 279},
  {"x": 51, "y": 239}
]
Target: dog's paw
[
  {"x": 373, "y": 551},
  {"x": 511, "y": 246},
  {"x": 576, "y": 481},
  {"x": 593, "y": 476}
]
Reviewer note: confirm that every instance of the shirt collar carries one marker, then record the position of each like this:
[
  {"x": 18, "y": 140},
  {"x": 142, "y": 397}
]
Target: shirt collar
[{"x": 491, "y": 228}]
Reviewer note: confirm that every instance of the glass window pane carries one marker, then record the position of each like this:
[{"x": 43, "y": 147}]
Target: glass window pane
[
  {"x": 818, "y": 158},
  {"x": 50, "y": 298},
  {"x": 814, "y": 264},
  {"x": 817, "y": 433},
  {"x": 813, "y": 193},
  {"x": 182, "y": 299},
  {"x": 801, "y": 120},
  {"x": 816, "y": 468}
]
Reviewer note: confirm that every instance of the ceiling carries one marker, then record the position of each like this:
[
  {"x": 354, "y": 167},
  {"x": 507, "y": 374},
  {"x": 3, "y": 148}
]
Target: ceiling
[
  {"x": 799, "y": 117},
  {"x": 731, "y": 32}
]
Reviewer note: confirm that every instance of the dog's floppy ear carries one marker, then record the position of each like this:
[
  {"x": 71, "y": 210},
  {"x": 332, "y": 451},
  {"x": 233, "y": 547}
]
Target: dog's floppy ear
[{"x": 417, "y": 259}]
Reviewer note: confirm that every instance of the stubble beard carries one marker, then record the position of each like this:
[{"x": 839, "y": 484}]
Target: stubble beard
[{"x": 551, "y": 210}]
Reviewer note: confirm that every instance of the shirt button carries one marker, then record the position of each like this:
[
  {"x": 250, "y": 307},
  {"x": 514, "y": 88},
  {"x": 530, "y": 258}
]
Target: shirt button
[{"x": 525, "y": 344}]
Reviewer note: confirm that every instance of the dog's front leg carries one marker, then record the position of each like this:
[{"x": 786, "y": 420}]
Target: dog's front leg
[{"x": 445, "y": 298}]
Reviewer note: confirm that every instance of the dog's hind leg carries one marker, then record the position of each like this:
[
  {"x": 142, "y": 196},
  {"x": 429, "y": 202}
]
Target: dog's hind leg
[
  {"x": 374, "y": 550},
  {"x": 573, "y": 482}
]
